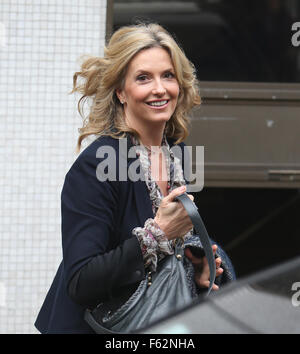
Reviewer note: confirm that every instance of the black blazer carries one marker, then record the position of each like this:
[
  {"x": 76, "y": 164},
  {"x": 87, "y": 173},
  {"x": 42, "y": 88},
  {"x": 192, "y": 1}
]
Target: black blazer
[{"x": 97, "y": 221}]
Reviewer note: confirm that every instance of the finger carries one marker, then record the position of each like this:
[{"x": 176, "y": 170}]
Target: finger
[
  {"x": 191, "y": 257},
  {"x": 218, "y": 262},
  {"x": 206, "y": 283},
  {"x": 214, "y": 249},
  {"x": 188, "y": 253},
  {"x": 203, "y": 283},
  {"x": 191, "y": 197},
  {"x": 215, "y": 287},
  {"x": 219, "y": 272},
  {"x": 175, "y": 193}
]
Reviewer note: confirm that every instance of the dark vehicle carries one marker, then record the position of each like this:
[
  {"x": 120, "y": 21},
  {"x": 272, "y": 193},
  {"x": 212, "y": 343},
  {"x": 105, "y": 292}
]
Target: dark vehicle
[
  {"x": 264, "y": 303},
  {"x": 247, "y": 58}
]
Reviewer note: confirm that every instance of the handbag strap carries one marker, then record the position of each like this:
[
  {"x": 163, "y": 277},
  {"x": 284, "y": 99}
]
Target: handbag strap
[{"x": 199, "y": 226}]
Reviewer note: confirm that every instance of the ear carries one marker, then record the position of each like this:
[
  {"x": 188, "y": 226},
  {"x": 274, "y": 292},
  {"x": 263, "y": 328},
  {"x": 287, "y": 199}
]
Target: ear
[{"x": 120, "y": 95}]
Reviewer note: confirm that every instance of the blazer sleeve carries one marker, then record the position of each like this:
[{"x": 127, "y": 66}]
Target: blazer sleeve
[{"x": 89, "y": 211}]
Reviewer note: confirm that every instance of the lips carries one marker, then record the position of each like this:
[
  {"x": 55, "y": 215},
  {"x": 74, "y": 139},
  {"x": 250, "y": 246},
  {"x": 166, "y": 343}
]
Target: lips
[{"x": 158, "y": 103}]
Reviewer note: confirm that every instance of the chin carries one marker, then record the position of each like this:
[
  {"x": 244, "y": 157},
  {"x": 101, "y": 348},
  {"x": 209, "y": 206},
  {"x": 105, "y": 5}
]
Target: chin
[{"x": 161, "y": 119}]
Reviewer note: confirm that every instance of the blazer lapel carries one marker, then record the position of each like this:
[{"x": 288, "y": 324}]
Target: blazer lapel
[
  {"x": 141, "y": 192},
  {"x": 143, "y": 201}
]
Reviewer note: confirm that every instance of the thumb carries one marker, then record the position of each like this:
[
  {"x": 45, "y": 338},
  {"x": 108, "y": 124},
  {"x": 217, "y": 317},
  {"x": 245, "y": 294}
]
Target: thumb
[
  {"x": 188, "y": 253},
  {"x": 175, "y": 192}
]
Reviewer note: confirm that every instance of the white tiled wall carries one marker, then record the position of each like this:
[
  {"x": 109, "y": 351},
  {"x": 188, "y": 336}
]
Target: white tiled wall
[{"x": 40, "y": 42}]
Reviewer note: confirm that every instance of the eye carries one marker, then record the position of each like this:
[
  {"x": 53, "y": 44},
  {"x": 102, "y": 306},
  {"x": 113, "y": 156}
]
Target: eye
[
  {"x": 142, "y": 77},
  {"x": 169, "y": 75}
]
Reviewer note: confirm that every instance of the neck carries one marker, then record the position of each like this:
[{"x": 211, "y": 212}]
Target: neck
[{"x": 150, "y": 135}]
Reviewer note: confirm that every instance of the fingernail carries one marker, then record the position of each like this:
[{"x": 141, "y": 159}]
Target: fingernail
[{"x": 182, "y": 188}]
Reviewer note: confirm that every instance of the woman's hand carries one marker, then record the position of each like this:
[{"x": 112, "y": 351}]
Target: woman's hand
[
  {"x": 201, "y": 268},
  {"x": 172, "y": 217}
]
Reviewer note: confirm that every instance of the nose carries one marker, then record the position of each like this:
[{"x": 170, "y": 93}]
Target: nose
[{"x": 158, "y": 88}]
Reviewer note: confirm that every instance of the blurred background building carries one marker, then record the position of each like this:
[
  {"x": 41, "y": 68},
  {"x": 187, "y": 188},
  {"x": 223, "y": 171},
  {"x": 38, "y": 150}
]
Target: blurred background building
[
  {"x": 39, "y": 122},
  {"x": 249, "y": 120}
]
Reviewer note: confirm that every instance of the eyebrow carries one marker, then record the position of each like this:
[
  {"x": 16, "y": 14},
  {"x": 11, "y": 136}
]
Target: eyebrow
[{"x": 141, "y": 71}]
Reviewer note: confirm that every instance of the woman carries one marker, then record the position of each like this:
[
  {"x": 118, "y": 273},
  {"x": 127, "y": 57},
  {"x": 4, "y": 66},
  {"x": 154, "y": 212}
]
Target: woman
[{"x": 113, "y": 230}]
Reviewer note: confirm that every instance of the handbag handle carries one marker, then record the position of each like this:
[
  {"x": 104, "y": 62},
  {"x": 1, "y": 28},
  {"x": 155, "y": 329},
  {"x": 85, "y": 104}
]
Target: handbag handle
[{"x": 199, "y": 226}]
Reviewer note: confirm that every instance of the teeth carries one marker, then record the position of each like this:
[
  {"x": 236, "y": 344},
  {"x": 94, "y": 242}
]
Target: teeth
[{"x": 157, "y": 103}]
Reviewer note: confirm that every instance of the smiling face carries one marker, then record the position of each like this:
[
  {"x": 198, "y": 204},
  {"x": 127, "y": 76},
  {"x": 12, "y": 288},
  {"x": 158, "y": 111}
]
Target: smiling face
[{"x": 150, "y": 90}]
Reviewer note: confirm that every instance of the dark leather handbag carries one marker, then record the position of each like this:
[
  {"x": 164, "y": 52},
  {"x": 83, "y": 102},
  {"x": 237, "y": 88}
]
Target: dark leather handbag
[{"x": 160, "y": 293}]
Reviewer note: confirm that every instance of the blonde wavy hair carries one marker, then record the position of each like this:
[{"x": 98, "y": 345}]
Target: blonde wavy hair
[{"x": 103, "y": 76}]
